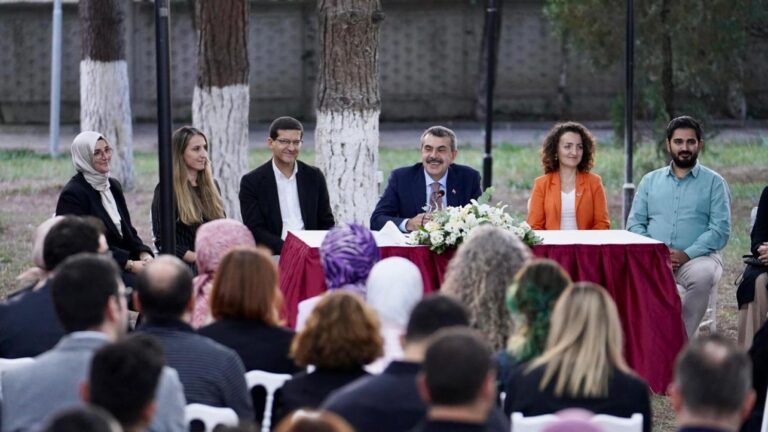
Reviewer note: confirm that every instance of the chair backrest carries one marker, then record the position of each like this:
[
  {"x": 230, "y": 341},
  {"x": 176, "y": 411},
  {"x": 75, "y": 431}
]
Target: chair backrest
[
  {"x": 210, "y": 416},
  {"x": 619, "y": 424},
  {"x": 8, "y": 364},
  {"x": 605, "y": 422},
  {"x": 271, "y": 383}
]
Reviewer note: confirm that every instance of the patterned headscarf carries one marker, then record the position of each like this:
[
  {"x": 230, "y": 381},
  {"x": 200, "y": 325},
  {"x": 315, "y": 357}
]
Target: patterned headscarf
[
  {"x": 347, "y": 255},
  {"x": 213, "y": 240},
  {"x": 394, "y": 287}
]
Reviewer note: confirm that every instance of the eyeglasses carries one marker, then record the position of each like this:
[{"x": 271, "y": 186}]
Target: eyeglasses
[
  {"x": 285, "y": 142},
  {"x": 102, "y": 153}
]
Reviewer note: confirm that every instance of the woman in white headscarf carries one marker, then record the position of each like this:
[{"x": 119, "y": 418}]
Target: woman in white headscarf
[
  {"x": 394, "y": 287},
  {"x": 92, "y": 192}
]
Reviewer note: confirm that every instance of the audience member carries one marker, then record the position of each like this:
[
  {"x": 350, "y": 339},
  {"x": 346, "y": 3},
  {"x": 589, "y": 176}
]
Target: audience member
[
  {"x": 390, "y": 402},
  {"x": 478, "y": 276},
  {"x": 568, "y": 196},
  {"x": 687, "y": 206},
  {"x": 341, "y": 337},
  {"x": 196, "y": 195},
  {"x": 752, "y": 293},
  {"x": 245, "y": 302},
  {"x": 435, "y": 183},
  {"x": 394, "y": 288},
  {"x": 284, "y": 193},
  {"x": 582, "y": 366},
  {"x": 313, "y": 421},
  {"x": 89, "y": 298},
  {"x": 83, "y": 419},
  {"x": 214, "y": 239},
  {"x": 28, "y": 319},
  {"x": 123, "y": 380},
  {"x": 711, "y": 390},
  {"x": 460, "y": 392},
  {"x": 347, "y": 254},
  {"x": 759, "y": 355},
  {"x": 211, "y": 373},
  {"x": 93, "y": 192},
  {"x": 531, "y": 299},
  {"x": 36, "y": 276}
]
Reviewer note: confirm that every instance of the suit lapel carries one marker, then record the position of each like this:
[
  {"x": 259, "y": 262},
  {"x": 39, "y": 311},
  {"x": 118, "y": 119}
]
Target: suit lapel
[
  {"x": 451, "y": 192},
  {"x": 303, "y": 188},
  {"x": 272, "y": 199},
  {"x": 554, "y": 191}
]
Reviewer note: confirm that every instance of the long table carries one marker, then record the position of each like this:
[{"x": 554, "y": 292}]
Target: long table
[{"x": 634, "y": 269}]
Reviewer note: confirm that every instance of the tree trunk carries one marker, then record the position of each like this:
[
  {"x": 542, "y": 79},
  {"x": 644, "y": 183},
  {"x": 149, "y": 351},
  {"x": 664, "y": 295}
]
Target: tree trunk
[
  {"x": 348, "y": 105},
  {"x": 105, "y": 104},
  {"x": 221, "y": 98},
  {"x": 482, "y": 79},
  {"x": 563, "y": 101},
  {"x": 667, "y": 83}
]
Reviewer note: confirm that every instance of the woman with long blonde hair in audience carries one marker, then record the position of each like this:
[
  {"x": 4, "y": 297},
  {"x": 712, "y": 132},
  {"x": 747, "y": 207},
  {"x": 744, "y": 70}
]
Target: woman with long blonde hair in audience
[
  {"x": 197, "y": 198},
  {"x": 478, "y": 277},
  {"x": 583, "y": 365}
]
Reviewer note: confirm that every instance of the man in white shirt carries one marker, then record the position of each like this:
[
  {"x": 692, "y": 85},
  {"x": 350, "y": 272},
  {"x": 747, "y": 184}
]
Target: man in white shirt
[{"x": 284, "y": 193}]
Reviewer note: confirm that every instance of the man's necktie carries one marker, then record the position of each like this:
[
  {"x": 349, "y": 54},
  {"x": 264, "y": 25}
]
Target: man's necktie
[{"x": 436, "y": 197}]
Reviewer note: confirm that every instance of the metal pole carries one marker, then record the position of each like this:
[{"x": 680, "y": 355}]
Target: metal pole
[
  {"x": 55, "y": 115},
  {"x": 490, "y": 38},
  {"x": 629, "y": 90},
  {"x": 162, "y": 46}
]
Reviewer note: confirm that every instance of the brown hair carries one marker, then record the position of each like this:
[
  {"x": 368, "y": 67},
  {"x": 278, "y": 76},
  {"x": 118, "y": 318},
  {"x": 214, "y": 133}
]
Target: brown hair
[
  {"x": 313, "y": 421},
  {"x": 549, "y": 147},
  {"x": 246, "y": 286},
  {"x": 342, "y": 332},
  {"x": 191, "y": 207}
]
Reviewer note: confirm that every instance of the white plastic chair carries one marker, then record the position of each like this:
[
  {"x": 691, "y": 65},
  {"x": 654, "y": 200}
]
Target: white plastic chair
[
  {"x": 605, "y": 422},
  {"x": 8, "y": 364},
  {"x": 271, "y": 382},
  {"x": 210, "y": 416},
  {"x": 764, "y": 425}
]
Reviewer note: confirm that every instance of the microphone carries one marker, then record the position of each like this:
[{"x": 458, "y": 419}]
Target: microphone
[{"x": 440, "y": 193}]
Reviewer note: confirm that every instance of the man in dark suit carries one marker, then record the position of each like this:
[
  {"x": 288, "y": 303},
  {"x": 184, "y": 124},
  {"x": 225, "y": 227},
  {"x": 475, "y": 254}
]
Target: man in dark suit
[
  {"x": 28, "y": 322},
  {"x": 284, "y": 193},
  {"x": 436, "y": 182}
]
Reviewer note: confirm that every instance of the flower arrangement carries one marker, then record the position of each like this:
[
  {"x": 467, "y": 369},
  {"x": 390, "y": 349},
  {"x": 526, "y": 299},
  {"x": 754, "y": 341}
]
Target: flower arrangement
[{"x": 449, "y": 227}]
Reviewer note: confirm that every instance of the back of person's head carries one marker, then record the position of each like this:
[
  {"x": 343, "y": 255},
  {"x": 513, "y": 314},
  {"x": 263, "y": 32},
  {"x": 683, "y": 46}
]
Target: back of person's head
[
  {"x": 684, "y": 122},
  {"x": 81, "y": 289},
  {"x": 86, "y": 418},
  {"x": 313, "y": 421},
  {"x": 457, "y": 366},
  {"x": 341, "y": 332},
  {"x": 347, "y": 254},
  {"x": 124, "y": 377},
  {"x": 433, "y": 313},
  {"x": 713, "y": 378},
  {"x": 164, "y": 288},
  {"x": 246, "y": 286},
  {"x": 394, "y": 288},
  {"x": 69, "y": 236},
  {"x": 478, "y": 276},
  {"x": 284, "y": 123},
  {"x": 584, "y": 344},
  {"x": 214, "y": 239},
  {"x": 531, "y": 299}
]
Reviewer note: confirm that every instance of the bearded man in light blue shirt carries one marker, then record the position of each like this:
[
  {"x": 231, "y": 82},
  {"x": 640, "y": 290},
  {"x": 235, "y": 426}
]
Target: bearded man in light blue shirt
[{"x": 686, "y": 206}]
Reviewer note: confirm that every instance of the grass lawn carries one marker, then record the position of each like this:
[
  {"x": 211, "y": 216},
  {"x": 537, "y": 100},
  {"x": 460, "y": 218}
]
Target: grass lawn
[{"x": 29, "y": 186}]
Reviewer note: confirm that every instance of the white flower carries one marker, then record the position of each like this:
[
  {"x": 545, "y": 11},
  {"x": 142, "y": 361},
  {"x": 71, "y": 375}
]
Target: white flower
[
  {"x": 432, "y": 226},
  {"x": 436, "y": 237}
]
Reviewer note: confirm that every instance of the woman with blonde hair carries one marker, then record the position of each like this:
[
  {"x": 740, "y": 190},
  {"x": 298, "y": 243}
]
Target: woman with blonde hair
[
  {"x": 245, "y": 304},
  {"x": 197, "y": 194},
  {"x": 583, "y": 365},
  {"x": 478, "y": 277},
  {"x": 340, "y": 336}
]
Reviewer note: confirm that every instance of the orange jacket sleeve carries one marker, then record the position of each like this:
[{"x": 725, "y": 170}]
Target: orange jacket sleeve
[
  {"x": 536, "y": 215},
  {"x": 601, "y": 219}
]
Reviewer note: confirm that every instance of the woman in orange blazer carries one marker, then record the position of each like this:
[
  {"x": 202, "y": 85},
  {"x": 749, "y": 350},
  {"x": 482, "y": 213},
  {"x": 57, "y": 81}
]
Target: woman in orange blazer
[{"x": 568, "y": 196}]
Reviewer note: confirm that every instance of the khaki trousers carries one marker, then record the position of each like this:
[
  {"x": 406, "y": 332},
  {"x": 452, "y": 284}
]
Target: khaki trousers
[{"x": 696, "y": 279}]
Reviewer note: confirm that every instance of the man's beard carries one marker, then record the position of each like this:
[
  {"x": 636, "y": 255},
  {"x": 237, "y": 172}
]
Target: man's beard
[{"x": 685, "y": 163}]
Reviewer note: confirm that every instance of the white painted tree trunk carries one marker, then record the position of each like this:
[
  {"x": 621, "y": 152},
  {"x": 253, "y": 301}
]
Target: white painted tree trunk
[
  {"x": 105, "y": 107},
  {"x": 222, "y": 113},
  {"x": 347, "y": 146}
]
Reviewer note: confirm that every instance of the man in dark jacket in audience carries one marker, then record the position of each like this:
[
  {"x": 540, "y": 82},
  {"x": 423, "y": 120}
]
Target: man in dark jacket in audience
[
  {"x": 712, "y": 389},
  {"x": 211, "y": 373}
]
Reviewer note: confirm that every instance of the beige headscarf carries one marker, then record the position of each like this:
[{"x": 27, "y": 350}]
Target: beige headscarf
[{"x": 82, "y": 158}]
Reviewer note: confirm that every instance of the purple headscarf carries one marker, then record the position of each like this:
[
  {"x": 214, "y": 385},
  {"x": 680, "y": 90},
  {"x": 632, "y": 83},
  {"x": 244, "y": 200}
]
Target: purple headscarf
[
  {"x": 213, "y": 240},
  {"x": 347, "y": 254}
]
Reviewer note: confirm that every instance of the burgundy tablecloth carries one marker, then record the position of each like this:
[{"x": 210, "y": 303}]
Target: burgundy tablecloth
[{"x": 638, "y": 276}]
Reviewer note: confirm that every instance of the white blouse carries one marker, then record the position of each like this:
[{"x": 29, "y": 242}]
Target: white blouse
[{"x": 568, "y": 210}]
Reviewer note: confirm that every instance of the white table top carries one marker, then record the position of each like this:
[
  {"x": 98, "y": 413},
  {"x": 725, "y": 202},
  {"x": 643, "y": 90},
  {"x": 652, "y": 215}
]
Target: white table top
[{"x": 598, "y": 237}]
